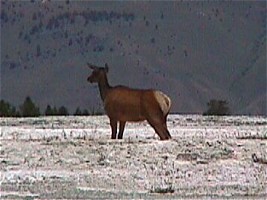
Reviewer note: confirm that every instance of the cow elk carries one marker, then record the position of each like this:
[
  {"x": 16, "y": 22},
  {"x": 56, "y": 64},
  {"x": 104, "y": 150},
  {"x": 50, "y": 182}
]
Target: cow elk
[{"x": 124, "y": 104}]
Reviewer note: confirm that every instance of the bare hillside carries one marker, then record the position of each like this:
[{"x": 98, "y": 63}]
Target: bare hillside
[{"x": 193, "y": 51}]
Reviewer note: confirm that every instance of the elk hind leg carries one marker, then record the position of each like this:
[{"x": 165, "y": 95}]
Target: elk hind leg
[
  {"x": 161, "y": 129},
  {"x": 165, "y": 127},
  {"x": 162, "y": 132}
]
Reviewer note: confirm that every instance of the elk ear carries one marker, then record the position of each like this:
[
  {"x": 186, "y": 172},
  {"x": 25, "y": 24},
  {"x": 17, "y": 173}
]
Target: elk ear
[{"x": 106, "y": 67}]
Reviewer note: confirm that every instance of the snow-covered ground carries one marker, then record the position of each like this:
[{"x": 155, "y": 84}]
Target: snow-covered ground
[{"x": 74, "y": 157}]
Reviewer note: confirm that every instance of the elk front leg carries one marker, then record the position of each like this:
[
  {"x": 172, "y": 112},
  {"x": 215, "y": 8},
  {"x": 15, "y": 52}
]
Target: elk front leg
[
  {"x": 113, "y": 124},
  {"x": 122, "y": 125}
]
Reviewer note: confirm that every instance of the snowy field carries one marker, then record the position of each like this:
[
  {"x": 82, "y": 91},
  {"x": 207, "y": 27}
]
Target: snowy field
[{"x": 74, "y": 157}]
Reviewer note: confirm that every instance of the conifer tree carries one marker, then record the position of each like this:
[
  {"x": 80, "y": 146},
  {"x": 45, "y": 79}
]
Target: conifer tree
[
  {"x": 7, "y": 110},
  {"x": 63, "y": 111},
  {"x": 78, "y": 112},
  {"x": 29, "y": 109},
  {"x": 49, "y": 111},
  {"x": 217, "y": 107}
]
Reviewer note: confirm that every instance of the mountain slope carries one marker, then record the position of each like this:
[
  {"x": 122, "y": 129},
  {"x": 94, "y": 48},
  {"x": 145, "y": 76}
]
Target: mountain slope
[{"x": 193, "y": 51}]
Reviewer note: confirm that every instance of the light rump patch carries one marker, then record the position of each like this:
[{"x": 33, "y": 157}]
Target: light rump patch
[{"x": 164, "y": 102}]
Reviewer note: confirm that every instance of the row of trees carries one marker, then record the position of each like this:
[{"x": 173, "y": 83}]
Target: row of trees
[{"x": 29, "y": 109}]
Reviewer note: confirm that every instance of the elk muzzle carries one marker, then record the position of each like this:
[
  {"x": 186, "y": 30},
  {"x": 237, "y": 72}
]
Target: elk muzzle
[{"x": 90, "y": 79}]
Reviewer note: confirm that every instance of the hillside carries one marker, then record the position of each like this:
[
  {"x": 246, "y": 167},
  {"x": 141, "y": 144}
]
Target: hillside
[{"x": 193, "y": 51}]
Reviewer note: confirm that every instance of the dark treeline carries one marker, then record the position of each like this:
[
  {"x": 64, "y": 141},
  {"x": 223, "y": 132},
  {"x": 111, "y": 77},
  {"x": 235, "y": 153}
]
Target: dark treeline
[
  {"x": 29, "y": 109},
  {"x": 217, "y": 107}
]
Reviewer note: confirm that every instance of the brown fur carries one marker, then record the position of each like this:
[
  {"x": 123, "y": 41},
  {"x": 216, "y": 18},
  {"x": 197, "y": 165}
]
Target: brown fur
[{"x": 124, "y": 104}]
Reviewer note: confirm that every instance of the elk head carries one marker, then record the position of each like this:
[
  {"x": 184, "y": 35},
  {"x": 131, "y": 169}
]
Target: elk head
[{"x": 98, "y": 73}]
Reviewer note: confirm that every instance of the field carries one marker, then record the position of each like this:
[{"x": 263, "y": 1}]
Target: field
[{"x": 74, "y": 157}]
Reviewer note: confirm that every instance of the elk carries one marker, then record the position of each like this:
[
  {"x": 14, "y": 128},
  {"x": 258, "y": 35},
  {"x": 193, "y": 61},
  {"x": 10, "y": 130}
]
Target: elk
[{"x": 124, "y": 104}]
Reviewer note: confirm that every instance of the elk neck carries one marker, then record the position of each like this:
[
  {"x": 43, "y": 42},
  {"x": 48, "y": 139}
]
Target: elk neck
[{"x": 103, "y": 86}]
